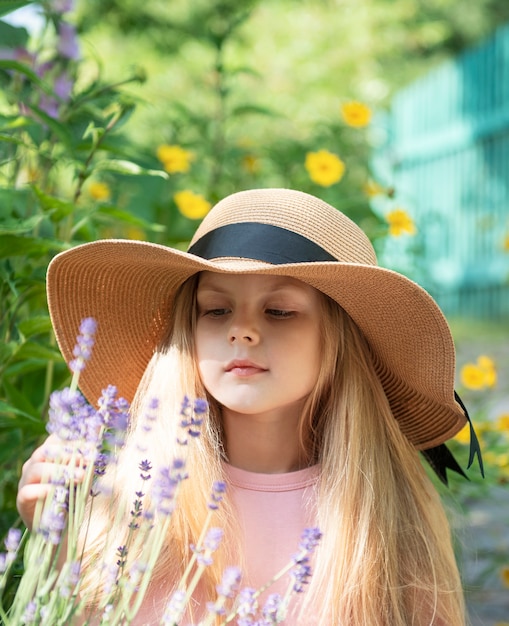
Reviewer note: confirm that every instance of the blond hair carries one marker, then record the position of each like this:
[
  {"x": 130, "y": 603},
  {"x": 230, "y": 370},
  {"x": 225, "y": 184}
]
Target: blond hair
[{"x": 386, "y": 556}]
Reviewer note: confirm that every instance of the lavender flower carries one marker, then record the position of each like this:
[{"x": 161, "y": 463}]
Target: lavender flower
[
  {"x": 62, "y": 6},
  {"x": 301, "y": 573},
  {"x": 165, "y": 486},
  {"x": 229, "y": 582},
  {"x": 188, "y": 412},
  {"x": 272, "y": 609},
  {"x": 213, "y": 539},
  {"x": 85, "y": 340},
  {"x": 69, "y": 581},
  {"x": 68, "y": 46},
  {"x": 3, "y": 562},
  {"x": 218, "y": 489},
  {"x": 145, "y": 468},
  {"x": 174, "y": 608},
  {"x": 13, "y": 539},
  {"x": 115, "y": 417},
  {"x": 30, "y": 613},
  {"x": 70, "y": 415},
  {"x": 247, "y": 606},
  {"x": 310, "y": 538},
  {"x": 52, "y": 524}
]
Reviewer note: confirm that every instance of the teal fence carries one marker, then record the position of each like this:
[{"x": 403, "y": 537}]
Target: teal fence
[{"x": 447, "y": 156}]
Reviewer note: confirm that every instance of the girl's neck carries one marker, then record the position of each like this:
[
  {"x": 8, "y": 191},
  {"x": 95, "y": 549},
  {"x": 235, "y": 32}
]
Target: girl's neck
[{"x": 263, "y": 444}]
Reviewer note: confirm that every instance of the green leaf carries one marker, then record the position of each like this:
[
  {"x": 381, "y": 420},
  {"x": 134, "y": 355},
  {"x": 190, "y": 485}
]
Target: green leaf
[
  {"x": 254, "y": 109},
  {"x": 6, "y": 416},
  {"x": 128, "y": 168},
  {"x": 57, "y": 207},
  {"x": 8, "y": 6},
  {"x": 31, "y": 350},
  {"x": 128, "y": 218},
  {"x": 16, "y": 66},
  {"x": 14, "y": 245},
  {"x": 18, "y": 227},
  {"x": 35, "y": 326},
  {"x": 12, "y": 37},
  {"x": 60, "y": 130},
  {"x": 7, "y": 350},
  {"x": 20, "y": 401}
]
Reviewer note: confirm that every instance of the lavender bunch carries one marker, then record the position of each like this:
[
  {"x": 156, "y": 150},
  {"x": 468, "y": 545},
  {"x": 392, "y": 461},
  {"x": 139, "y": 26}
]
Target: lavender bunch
[{"x": 49, "y": 593}]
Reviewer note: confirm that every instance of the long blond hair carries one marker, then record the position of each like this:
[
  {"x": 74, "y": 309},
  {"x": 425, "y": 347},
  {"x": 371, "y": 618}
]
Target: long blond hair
[{"x": 386, "y": 556}]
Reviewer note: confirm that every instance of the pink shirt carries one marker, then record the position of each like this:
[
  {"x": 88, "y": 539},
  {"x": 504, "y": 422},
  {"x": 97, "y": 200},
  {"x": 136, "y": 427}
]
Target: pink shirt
[{"x": 273, "y": 511}]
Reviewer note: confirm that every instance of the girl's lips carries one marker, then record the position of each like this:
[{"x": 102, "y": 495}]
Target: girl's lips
[{"x": 244, "y": 368}]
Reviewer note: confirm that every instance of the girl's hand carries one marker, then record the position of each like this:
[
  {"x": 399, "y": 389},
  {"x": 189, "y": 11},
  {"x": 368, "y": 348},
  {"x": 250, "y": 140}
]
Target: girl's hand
[{"x": 34, "y": 484}]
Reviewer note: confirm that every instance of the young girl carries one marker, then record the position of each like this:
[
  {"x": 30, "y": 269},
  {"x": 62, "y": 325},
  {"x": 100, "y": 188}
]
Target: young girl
[{"x": 325, "y": 375}]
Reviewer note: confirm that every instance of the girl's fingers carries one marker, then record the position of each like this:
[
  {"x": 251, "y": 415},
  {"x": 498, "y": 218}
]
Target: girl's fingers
[{"x": 48, "y": 464}]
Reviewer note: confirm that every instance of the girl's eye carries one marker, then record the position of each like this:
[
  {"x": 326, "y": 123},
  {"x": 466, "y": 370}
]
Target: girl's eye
[
  {"x": 279, "y": 313},
  {"x": 215, "y": 312}
]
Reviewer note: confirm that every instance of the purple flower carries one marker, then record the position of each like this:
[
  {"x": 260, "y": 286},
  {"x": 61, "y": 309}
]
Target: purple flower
[
  {"x": 229, "y": 581},
  {"x": 165, "y": 486},
  {"x": 12, "y": 540},
  {"x": 63, "y": 86},
  {"x": 68, "y": 46},
  {"x": 50, "y": 106},
  {"x": 70, "y": 580},
  {"x": 310, "y": 538},
  {"x": 271, "y": 608},
  {"x": 218, "y": 489},
  {"x": 200, "y": 406},
  {"x": 62, "y": 6},
  {"x": 189, "y": 420},
  {"x": 85, "y": 341},
  {"x": 150, "y": 415},
  {"x": 213, "y": 539},
  {"x": 301, "y": 574},
  {"x": 247, "y": 605},
  {"x": 101, "y": 463},
  {"x": 3, "y": 562},
  {"x": 30, "y": 613},
  {"x": 71, "y": 417},
  {"x": 52, "y": 524},
  {"x": 145, "y": 468},
  {"x": 174, "y": 608}
]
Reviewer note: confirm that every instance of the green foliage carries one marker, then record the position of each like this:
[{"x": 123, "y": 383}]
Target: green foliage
[
  {"x": 58, "y": 133},
  {"x": 77, "y": 165}
]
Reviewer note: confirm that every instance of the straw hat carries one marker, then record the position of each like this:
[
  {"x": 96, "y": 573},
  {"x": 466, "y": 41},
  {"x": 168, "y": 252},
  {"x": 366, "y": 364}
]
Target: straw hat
[{"x": 128, "y": 286}]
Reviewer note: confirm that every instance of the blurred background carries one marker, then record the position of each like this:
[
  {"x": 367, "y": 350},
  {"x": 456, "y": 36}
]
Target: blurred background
[{"x": 128, "y": 119}]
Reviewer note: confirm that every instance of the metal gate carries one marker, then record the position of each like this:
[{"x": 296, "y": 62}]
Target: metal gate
[{"x": 447, "y": 156}]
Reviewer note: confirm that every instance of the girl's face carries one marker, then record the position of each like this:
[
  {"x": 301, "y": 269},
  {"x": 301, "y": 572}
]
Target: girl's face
[{"x": 258, "y": 342}]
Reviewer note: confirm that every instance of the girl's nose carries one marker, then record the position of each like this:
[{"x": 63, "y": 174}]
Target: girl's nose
[{"x": 243, "y": 330}]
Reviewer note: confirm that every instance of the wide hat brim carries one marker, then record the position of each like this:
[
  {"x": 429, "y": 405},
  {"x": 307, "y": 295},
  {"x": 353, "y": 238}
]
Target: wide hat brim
[{"x": 128, "y": 287}]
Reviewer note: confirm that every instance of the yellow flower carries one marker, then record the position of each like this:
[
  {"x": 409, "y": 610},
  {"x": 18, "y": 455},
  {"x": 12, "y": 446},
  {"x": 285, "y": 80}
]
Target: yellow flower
[
  {"x": 464, "y": 435},
  {"x": 479, "y": 375},
  {"x": 174, "y": 158},
  {"x": 250, "y": 163},
  {"x": 324, "y": 167},
  {"x": 191, "y": 205},
  {"x": 504, "y": 575},
  {"x": 505, "y": 243},
  {"x": 356, "y": 114},
  {"x": 400, "y": 223},
  {"x": 99, "y": 191},
  {"x": 488, "y": 366},
  {"x": 134, "y": 232},
  {"x": 502, "y": 423},
  {"x": 372, "y": 188}
]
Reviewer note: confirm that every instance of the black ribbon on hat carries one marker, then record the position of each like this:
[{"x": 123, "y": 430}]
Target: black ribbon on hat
[
  {"x": 441, "y": 458},
  {"x": 263, "y": 242}
]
